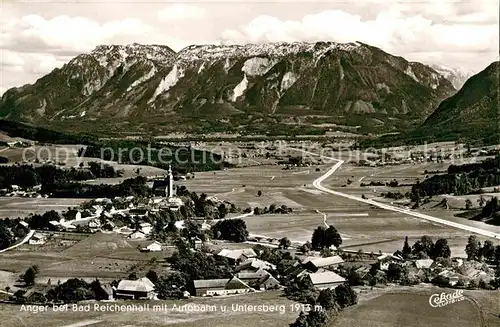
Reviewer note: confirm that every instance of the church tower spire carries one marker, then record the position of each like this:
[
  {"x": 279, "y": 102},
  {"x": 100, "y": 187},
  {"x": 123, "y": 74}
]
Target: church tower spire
[{"x": 170, "y": 192}]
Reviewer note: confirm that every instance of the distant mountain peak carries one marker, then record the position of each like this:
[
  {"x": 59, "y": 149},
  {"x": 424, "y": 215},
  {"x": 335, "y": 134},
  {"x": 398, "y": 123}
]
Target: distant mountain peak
[{"x": 456, "y": 76}]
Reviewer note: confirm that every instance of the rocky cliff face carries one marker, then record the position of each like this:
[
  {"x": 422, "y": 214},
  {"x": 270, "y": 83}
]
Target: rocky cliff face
[{"x": 137, "y": 86}]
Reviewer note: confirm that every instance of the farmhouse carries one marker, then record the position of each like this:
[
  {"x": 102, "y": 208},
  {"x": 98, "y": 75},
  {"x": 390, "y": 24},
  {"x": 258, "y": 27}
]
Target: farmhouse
[
  {"x": 386, "y": 259},
  {"x": 324, "y": 280},
  {"x": 235, "y": 256},
  {"x": 94, "y": 223},
  {"x": 268, "y": 282},
  {"x": 153, "y": 247},
  {"x": 315, "y": 263},
  {"x": 135, "y": 289},
  {"x": 37, "y": 239},
  {"x": 24, "y": 224},
  {"x": 211, "y": 287},
  {"x": 137, "y": 235},
  {"x": 254, "y": 264},
  {"x": 249, "y": 277}
]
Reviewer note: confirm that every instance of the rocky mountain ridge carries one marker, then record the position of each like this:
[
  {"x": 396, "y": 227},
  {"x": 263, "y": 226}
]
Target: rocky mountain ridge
[{"x": 134, "y": 86}]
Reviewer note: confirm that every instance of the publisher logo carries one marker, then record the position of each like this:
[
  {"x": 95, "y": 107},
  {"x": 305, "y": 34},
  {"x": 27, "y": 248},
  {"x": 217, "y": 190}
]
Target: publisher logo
[{"x": 440, "y": 300}]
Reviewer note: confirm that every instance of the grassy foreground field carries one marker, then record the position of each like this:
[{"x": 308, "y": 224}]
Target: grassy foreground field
[
  {"x": 413, "y": 309},
  {"x": 11, "y": 316}
]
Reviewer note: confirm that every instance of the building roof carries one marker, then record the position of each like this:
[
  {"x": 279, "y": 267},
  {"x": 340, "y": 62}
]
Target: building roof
[
  {"x": 423, "y": 263},
  {"x": 140, "y": 285},
  {"x": 210, "y": 283},
  {"x": 237, "y": 254},
  {"x": 388, "y": 256},
  {"x": 252, "y": 275},
  {"x": 155, "y": 243},
  {"x": 38, "y": 236},
  {"x": 326, "y": 277},
  {"x": 256, "y": 264},
  {"x": 323, "y": 262}
]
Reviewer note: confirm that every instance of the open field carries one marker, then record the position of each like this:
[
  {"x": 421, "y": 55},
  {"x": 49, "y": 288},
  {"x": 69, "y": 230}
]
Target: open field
[
  {"x": 10, "y": 314},
  {"x": 103, "y": 256},
  {"x": 363, "y": 226},
  {"x": 410, "y": 309},
  {"x": 14, "y": 207}
]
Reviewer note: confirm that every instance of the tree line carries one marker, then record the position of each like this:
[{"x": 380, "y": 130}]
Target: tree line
[{"x": 461, "y": 179}]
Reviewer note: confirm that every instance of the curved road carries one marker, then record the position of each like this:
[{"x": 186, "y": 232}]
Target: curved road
[
  {"x": 26, "y": 239},
  {"x": 333, "y": 169}
]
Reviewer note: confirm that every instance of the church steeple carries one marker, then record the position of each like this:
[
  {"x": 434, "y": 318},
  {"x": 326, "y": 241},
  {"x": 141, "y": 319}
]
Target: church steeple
[{"x": 170, "y": 192}]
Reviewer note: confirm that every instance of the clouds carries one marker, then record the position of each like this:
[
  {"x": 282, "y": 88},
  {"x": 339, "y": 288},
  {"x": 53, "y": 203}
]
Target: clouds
[
  {"x": 37, "y": 37},
  {"x": 179, "y": 12},
  {"x": 441, "y": 27},
  {"x": 67, "y": 35}
]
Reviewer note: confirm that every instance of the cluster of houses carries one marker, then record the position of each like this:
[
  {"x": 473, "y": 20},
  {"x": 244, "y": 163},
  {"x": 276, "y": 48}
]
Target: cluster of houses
[
  {"x": 252, "y": 274},
  {"x": 429, "y": 270}
]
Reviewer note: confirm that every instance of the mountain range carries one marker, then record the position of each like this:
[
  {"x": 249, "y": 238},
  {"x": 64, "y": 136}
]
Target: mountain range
[{"x": 283, "y": 87}]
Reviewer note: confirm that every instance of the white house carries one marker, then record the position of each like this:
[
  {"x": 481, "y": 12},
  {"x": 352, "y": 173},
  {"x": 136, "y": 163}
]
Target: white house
[
  {"x": 146, "y": 228},
  {"x": 94, "y": 223},
  {"x": 37, "y": 239},
  {"x": 327, "y": 279},
  {"x": 153, "y": 247},
  {"x": 138, "y": 235}
]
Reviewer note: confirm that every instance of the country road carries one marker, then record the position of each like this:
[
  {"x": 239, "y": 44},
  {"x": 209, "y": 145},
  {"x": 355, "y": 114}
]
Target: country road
[
  {"x": 26, "y": 239},
  {"x": 333, "y": 169}
]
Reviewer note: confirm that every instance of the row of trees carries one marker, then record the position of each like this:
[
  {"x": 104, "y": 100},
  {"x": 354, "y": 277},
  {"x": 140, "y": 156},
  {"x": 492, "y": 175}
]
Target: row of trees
[
  {"x": 425, "y": 248},
  {"x": 183, "y": 160},
  {"x": 27, "y": 176},
  {"x": 460, "y": 180},
  {"x": 129, "y": 187},
  {"x": 487, "y": 252}
]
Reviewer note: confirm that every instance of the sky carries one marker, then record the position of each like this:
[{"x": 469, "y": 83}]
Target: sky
[{"x": 37, "y": 36}]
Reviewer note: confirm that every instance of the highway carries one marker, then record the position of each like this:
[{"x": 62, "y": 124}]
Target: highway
[{"x": 333, "y": 169}]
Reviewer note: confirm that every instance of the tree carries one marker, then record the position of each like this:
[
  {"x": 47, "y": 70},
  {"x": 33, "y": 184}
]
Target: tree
[
  {"x": 497, "y": 255},
  {"x": 481, "y": 201},
  {"x": 259, "y": 193},
  {"x": 473, "y": 248},
  {"x": 406, "y": 248},
  {"x": 30, "y": 275},
  {"x": 318, "y": 237},
  {"x": 332, "y": 237},
  {"x": 152, "y": 276},
  {"x": 285, "y": 243},
  {"x": 231, "y": 229},
  {"x": 327, "y": 299},
  {"x": 488, "y": 250},
  {"x": 424, "y": 245},
  {"x": 441, "y": 249},
  {"x": 325, "y": 252},
  {"x": 468, "y": 204},
  {"x": 345, "y": 296},
  {"x": 306, "y": 247},
  {"x": 394, "y": 272}
]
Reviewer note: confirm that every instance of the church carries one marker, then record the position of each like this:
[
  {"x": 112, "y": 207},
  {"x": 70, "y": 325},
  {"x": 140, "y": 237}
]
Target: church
[{"x": 165, "y": 188}]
